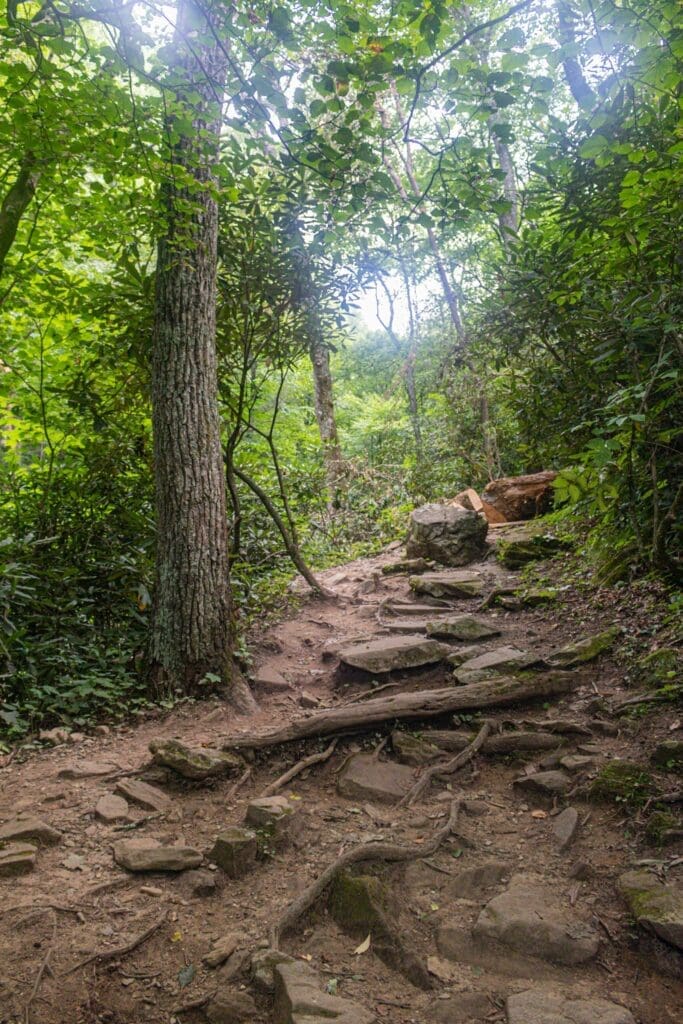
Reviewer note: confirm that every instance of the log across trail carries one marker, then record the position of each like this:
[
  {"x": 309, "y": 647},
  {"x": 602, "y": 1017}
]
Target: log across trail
[{"x": 491, "y": 693}]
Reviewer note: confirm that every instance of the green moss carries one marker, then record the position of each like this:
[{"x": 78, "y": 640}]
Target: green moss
[
  {"x": 357, "y": 903},
  {"x": 658, "y": 668},
  {"x": 623, "y": 782},
  {"x": 659, "y": 823},
  {"x": 516, "y": 552},
  {"x": 586, "y": 649},
  {"x": 537, "y": 596}
]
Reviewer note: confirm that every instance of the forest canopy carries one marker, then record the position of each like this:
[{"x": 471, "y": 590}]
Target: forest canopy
[{"x": 273, "y": 273}]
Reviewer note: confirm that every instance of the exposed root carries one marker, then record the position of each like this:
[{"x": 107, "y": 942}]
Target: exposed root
[
  {"x": 244, "y": 777},
  {"x": 306, "y": 762},
  {"x": 42, "y": 970},
  {"x": 118, "y": 951},
  {"x": 447, "y": 767},
  {"x": 357, "y": 854}
]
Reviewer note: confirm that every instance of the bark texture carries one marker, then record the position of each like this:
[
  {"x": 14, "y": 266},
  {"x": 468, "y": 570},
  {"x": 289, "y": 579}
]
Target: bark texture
[
  {"x": 17, "y": 199},
  {"x": 580, "y": 89},
  {"x": 191, "y": 628},
  {"x": 325, "y": 415}
]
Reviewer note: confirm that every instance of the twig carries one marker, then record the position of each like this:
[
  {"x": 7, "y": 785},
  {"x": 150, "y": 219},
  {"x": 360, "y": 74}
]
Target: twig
[
  {"x": 44, "y": 966},
  {"x": 364, "y": 852},
  {"x": 446, "y": 767},
  {"x": 244, "y": 777},
  {"x": 306, "y": 762},
  {"x": 113, "y": 883},
  {"x": 194, "y": 1004},
  {"x": 369, "y": 693},
  {"x": 128, "y": 947},
  {"x": 643, "y": 698}
]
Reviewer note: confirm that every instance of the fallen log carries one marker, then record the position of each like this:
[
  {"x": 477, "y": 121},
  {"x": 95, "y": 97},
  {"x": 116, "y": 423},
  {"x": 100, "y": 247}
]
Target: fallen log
[
  {"x": 503, "y": 743},
  {"x": 499, "y": 692}
]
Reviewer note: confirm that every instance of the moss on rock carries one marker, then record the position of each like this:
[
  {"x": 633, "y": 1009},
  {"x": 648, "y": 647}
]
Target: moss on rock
[
  {"x": 659, "y": 823},
  {"x": 586, "y": 649},
  {"x": 658, "y": 668},
  {"x": 623, "y": 782}
]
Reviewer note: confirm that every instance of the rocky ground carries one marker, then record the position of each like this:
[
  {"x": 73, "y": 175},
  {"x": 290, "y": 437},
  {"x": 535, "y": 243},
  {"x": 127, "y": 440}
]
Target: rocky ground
[{"x": 532, "y": 878}]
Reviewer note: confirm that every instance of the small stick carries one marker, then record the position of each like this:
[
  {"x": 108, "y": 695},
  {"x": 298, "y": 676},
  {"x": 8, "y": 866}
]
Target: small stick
[
  {"x": 44, "y": 966},
  {"x": 113, "y": 883},
  {"x": 128, "y": 947},
  {"x": 365, "y": 851},
  {"x": 643, "y": 698},
  {"x": 318, "y": 758},
  {"x": 195, "y": 1004},
  {"x": 446, "y": 767},
  {"x": 246, "y": 774},
  {"x": 369, "y": 693}
]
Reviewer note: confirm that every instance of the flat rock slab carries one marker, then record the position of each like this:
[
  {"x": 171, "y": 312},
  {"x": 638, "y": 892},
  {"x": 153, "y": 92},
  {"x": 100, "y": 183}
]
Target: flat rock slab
[
  {"x": 473, "y": 882},
  {"x": 546, "y": 785},
  {"x": 300, "y": 999},
  {"x": 499, "y": 660},
  {"x": 144, "y": 795},
  {"x": 193, "y": 763},
  {"x": 87, "y": 770},
  {"x": 111, "y": 808},
  {"x": 565, "y": 827},
  {"x": 269, "y": 680},
  {"x": 32, "y": 829},
  {"x": 17, "y": 859},
  {"x": 399, "y": 652},
  {"x": 584, "y": 650},
  {"x": 527, "y": 919},
  {"x": 448, "y": 584},
  {"x": 366, "y": 778},
  {"x": 461, "y": 627},
  {"x": 655, "y": 906},
  {"x": 148, "y": 855},
  {"x": 537, "y": 1006}
]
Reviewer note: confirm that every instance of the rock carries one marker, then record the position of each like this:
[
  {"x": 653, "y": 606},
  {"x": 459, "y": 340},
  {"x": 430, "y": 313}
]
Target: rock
[
  {"x": 473, "y": 882},
  {"x": 412, "y": 750},
  {"x": 396, "y": 652},
  {"x": 623, "y": 782},
  {"x": 655, "y": 906},
  {"x": 29, "y": 829},
  {"x": 463, "y": 1008},
  {"x": 87, "y": 770},
  {"x": 200, "y": 882},
  {"x": 144, "y": 795},
  {"x": 235, "y": 851},
  {"x": 278, "y": 816},
  {"x": 447, "y": 584},
  {"x": 263, "y": 964},
  {"x": 102, "y": 730},
  {"x": 584, "y": 650},
  {"x": 565, "y": 827},
  {"x": 517, "y": 549},
  {"x": 231, "y": 1007},
  {"x": 577, "y": 762},
  {"x": 448, "y": 534},
  {"x": 76, "y": 737},
  {"x": 54, "y": 737},
  {"x": 237, "y": 965},
  {"x": 499, "y": 660},
  {"x": 539, "y": 1006},
  {"x": 669, "y": 755},
  {"x": 366, "y": 778},
  {"x": 408, "y": 565},
  {"x": 544, "y": 784},
  {"x": 361, "y": 905},
  {"x": 525, "y": 919},
  {"x": 269, "y": 680},
  {"x": 299, "y": 999},
  {"x": 16, "y": 859},
  {"x": 461, "y": 627},
  {"x": 149, "y": 855},
  {"x": 308, "y": 700},
  {"x": 463, "y": 654},
  {"x": 111, "y": 808},
  {"x": 221, "y": 950},
  {"x": 521, "y": 497},
  {"x": 192, "y": 763}
]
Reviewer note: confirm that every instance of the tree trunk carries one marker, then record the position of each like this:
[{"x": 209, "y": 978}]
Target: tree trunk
[
  {"x": 191, "y": 629},
  {"x": 16, "y": 200},
  {"x": 324, "y": 414},
  {"x": 580, "y": 89}
]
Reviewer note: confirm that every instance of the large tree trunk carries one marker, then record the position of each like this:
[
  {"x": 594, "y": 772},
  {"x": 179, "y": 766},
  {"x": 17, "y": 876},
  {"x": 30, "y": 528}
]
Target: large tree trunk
[
  {"x": 325, "y": 415},
  {"x": 580, "y": 89},
  {"x": 17, "y": 198},
  {"x": 191, "y": 628}
]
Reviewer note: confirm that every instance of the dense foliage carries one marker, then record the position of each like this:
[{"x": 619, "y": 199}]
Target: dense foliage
[{"x": 506, "y": 179}]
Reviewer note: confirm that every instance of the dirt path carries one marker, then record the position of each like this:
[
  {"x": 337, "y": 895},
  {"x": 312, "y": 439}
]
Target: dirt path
[{"x": 77, "y": 901}]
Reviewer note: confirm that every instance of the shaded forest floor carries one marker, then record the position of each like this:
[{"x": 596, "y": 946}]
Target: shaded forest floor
[{"x": 77, "y": 901}]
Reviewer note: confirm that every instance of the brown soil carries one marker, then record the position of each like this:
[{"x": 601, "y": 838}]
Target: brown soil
[{"x": 57, "y": 910}]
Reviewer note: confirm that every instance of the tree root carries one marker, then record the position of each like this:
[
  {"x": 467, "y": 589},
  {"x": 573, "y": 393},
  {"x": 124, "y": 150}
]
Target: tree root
[
  {"x": 446, "y": 767},
  {"x": 128, "y": 947},
  {"x": 357, "y": 854},
  {"x": 498, "y": 692},
  {"x": 42, "y": 970},
  {"x": 306, "y": 762},
  {"x": 244, "y": 777}
]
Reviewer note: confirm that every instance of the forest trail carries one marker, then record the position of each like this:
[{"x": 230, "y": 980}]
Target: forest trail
[{"x": 513, "y": 916}]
